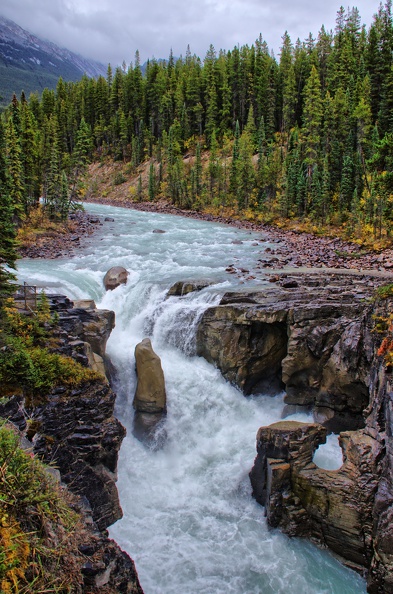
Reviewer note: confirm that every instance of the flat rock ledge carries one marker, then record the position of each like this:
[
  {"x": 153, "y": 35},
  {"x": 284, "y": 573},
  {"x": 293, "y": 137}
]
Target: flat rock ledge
[{"x": 182, "y": 288}]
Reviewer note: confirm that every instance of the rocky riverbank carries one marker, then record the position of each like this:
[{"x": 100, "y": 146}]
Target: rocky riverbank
[
  {"x": 63, "y": 242},
  {"x": 292, "y": 249},
  {"x": 313, "y": 337}
]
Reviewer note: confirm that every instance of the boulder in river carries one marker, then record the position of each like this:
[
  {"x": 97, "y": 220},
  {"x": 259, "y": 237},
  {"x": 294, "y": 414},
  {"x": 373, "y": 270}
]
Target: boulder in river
[
  {"x": 150, "y": 395},
  {"x": 117, "y": 275},
  {"x": 181, "y": 288}
]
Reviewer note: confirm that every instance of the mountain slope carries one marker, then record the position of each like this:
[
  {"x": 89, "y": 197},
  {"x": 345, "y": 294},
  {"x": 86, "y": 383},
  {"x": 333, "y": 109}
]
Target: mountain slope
[{"x": 30, "y": 64}]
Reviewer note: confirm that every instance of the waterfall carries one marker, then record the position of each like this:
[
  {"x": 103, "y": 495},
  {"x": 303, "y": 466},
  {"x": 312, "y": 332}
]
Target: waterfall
[{"x": 189, "y": 522}]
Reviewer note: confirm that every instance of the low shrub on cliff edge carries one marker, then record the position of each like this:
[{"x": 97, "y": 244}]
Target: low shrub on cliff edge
[
  {"x": 27, "y": 359},
  {"x": 37, "y": 526},
  {"x": 384, "y": 327}
]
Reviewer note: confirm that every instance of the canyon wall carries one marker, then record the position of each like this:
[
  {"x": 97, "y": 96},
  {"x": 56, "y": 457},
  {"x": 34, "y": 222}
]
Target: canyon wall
[
  {"x": 313, "y": 337},
  {"x": 75, "y": 430}
]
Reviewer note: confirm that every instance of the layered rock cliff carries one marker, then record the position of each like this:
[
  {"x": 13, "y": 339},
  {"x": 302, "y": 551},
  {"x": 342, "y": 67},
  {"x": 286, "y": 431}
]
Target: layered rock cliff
[
  {"x": 75, "y": 430},
  {"x": 313, "y": 337},
  {"x": 310, "y": 336}
]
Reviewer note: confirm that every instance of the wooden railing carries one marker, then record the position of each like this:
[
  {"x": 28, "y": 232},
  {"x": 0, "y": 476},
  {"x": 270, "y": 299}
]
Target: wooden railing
[{"x": 26, "y": 295}]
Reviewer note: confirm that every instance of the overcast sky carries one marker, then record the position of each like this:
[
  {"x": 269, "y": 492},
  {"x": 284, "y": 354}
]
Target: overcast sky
[{"x": 111, "y": 30}]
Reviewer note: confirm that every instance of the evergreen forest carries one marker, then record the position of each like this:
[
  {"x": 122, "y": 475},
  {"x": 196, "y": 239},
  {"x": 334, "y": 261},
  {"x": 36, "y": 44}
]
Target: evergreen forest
[{"x": 306, "y": 136}]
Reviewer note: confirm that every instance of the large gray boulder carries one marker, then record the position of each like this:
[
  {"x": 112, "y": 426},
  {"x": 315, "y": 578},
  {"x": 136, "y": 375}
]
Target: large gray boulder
[
  {"x": 150, "y": 395},
  {"x": 117, "y": 275},
  {"x": 181, "y": 288}
]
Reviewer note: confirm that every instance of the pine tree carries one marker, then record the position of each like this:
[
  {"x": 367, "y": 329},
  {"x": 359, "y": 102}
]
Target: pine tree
[
  {"x": 80, "y": 160},
  {"x": 198, "y": 170},
  {"x": 214, "y": 170},
  {"x": 234, "y": 174},
  {"x": 312, "y": 117},
  {"x": 245, "y": 170},
  {"x": 52, "y": 185},
  {"x": 287, "y": 85},
  {"x": 152, "y": 182},
  {"x": 347, "y": 184},
  {"x": 7, "y": 236},
  {"x": 30, "y": 157},
  {"x": 15, "y": 172}
]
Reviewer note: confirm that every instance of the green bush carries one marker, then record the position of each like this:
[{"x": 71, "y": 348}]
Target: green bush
[
  {"x": 119, "y": 179},
  {"x": 385, "y": 292}
]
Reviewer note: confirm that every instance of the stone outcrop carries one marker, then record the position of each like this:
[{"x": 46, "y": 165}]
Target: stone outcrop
[
  {"x": 75, "y": 430},
  {"x": 350, "y": 509},
  {"x": 310, "y": 337},
  {"x": 150, "y": 396},
  {"x": 84, "y": 331},
  {"x": 182, "y": 288},
  {"x": 335, "y": 508},
  {"x": 379, "y": 418},
  {"x": 116, "y": 276},
  {"x": 325, "y": 358}
]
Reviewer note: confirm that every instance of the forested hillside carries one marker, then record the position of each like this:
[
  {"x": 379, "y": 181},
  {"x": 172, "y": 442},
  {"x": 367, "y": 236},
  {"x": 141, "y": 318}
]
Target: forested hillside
[{"x": 308, "y": 135}]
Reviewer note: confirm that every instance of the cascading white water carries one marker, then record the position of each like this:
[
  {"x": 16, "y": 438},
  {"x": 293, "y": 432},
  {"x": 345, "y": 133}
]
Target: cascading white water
[{"x": 189, "y": 522}]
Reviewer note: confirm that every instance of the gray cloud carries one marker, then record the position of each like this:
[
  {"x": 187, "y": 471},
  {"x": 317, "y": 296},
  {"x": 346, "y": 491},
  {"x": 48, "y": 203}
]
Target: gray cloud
[{"x": 111, "y": 30}]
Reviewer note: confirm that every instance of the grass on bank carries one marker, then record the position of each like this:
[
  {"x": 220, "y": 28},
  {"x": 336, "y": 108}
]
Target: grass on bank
[{"x": 38, "y": 528}]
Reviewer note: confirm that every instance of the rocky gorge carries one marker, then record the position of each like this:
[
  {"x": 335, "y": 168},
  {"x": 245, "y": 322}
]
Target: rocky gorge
[
  {"x": 309, "y": 333},
  {"x": 313, "y": 336}
]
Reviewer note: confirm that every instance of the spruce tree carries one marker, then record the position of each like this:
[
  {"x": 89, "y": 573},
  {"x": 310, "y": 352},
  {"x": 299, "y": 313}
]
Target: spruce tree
[
  {"x": 152, "y": 182},
  {"x": 7, "y": 236},
  {"x": 15, "y": 172},
  {"x": 234, "y": 174}
]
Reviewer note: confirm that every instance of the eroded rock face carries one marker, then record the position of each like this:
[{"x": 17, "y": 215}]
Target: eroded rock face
[
  {"x": 248, "y": 349},
  {"x": 117, "y": 275},
  {"x": 380, "y": 419},
  {"x": 333, "y": 507},
  {"x": 85, "y": 324},
  {"x": 312, "y": 339},
  {"x": 349, "y": 510},
  {"x": 76, "y": 431}
]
